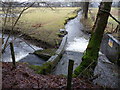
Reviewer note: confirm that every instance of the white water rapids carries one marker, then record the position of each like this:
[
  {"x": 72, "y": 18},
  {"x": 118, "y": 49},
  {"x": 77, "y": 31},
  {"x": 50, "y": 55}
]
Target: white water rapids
[{"x": 77, "y": 40}]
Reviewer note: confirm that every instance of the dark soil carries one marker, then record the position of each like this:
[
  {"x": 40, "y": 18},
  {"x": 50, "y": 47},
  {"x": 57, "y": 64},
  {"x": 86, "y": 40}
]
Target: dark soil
[{"x": 24, "y": 77}]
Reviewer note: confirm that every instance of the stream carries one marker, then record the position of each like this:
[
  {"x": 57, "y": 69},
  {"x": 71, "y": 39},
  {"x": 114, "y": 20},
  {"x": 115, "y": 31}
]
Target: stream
[{"x": 77, "y": 42}]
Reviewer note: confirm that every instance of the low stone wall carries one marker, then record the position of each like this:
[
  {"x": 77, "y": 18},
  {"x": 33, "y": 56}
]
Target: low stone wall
[
  {"x": 110, "y": 47},
  {"x": 59, "y": 52}
]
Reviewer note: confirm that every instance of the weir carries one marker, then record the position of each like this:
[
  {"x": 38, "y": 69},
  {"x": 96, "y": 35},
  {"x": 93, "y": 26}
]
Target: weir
[
  {"x": 77, "y": 42},
  {"x": 22, "y": 51}
]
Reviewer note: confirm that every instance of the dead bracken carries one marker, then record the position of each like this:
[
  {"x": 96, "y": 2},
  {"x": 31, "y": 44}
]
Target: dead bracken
[{"x": 24, "y": 77}]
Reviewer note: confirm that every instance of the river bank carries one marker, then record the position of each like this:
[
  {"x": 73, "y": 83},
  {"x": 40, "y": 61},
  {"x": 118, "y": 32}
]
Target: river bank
[
  {"x": 38, "y": 24},
  {"x": 76, "y": 44},
  {"x": 29, "y": 39},
  {"x": 28, "y": 42},
  {"x": 24, "y": 77}
]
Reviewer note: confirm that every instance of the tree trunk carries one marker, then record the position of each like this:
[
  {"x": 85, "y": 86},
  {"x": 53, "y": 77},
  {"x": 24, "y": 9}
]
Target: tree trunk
[
  {"x": 89, "y": 60},
  {"x": 85, "y": 9}
]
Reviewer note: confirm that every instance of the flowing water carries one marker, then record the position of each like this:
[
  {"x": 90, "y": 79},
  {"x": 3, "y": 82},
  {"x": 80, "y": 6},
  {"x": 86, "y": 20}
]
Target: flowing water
[
  {"x": 77, "y": 42},
  {"x": 22, "y": 49}
]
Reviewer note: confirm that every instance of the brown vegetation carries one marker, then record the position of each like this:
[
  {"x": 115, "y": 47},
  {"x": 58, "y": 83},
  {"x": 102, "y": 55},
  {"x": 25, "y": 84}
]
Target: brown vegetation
[{"x": 24, "y": 77}]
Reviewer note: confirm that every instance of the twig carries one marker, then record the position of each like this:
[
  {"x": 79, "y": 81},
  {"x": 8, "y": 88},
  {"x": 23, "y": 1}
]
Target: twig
[
  {"x": 110, "y": 15},
  {"x": 15, "y": 25},
  {"x": 94, "y": 77},
  {"x": 28, "y": 44},
  {"x": 86, "y": 68}
]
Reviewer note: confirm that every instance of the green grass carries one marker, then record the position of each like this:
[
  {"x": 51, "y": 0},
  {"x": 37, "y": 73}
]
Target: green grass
[
  {"x": 44, "y": 23},
  {"x": 50, "y": 20},
  {"x": 45, "y": 54},
  {"x": 1, "y": 12},
  {"x": 45, "y": 69}
]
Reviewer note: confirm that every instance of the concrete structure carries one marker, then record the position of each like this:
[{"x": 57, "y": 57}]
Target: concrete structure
[{"x": 110, "y": 46}]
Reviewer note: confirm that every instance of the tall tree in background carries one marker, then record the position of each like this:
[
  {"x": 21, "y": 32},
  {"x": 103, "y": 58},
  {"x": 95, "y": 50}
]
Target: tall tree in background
[
  {"x": 89, "y": 59},
  {"x": 85, "y": 9}
]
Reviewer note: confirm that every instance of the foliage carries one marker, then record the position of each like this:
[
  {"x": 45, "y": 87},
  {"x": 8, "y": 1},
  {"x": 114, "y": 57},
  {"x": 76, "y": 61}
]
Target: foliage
[
  {"x": 45, "y": 54},
  {"x": 44, "y": 69},
  {"x": 49, "y": 51}
]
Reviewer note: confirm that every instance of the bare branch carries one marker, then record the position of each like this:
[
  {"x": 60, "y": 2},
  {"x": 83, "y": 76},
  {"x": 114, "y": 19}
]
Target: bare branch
[
  {"x": 5, "y": 45},
  {"x": 110, "y": 15},
  {"x": 48, "y": 5}
]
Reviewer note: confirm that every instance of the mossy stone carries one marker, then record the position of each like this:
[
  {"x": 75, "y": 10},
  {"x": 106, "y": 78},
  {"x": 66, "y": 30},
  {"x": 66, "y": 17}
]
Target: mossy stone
[
  {"x": 44, "y": 69},
  {"x": 45, "y": 54}
]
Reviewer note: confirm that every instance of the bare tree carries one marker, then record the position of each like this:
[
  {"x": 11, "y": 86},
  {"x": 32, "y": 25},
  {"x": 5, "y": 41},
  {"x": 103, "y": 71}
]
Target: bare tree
[
  {"x": 85, "y": 9},
  {"x": 8, "y": 9}
]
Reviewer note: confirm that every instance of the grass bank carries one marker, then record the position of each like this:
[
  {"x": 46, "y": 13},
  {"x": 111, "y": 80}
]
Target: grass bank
[{"x": 43, "y": 24}]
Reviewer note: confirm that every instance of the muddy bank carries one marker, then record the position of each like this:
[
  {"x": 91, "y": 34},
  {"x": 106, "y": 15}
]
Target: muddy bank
[{"x": 29, "y": 39}]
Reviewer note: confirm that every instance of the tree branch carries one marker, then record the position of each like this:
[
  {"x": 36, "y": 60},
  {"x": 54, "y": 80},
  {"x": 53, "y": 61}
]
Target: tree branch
[
  {"x": 110, "y": 15},
  {"x": 5, "y": 45}
]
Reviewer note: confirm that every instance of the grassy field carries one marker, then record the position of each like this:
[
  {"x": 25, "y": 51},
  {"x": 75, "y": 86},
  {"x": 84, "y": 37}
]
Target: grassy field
[
  {"x": 92, "y": 16},
  {"x": 44, "y": 23}
]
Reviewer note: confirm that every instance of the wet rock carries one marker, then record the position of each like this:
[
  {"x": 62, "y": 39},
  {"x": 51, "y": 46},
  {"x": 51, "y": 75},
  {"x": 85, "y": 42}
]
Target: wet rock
[{"x": 109, "y": 73}]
